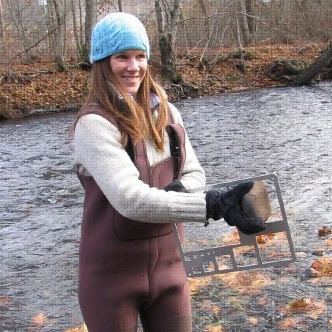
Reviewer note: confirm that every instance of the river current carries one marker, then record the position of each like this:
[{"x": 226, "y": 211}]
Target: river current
[{"x": 284, "y": 131}]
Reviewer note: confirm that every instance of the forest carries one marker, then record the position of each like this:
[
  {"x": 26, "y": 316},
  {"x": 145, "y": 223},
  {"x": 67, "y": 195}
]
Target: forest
[{"x": 190, "y": 39}]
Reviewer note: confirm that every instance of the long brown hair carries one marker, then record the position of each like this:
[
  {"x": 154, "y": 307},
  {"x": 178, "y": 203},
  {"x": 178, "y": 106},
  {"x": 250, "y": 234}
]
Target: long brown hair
[{"x": 134, "y": 117}]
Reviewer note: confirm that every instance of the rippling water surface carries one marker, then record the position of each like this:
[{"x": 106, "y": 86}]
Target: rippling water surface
[{"x": 283, "y": 131}]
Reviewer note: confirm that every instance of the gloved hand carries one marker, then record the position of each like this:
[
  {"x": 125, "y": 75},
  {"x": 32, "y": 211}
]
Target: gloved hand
[
  {"x": 177, "y": 186},
  {"x": 227, "y": 205}
]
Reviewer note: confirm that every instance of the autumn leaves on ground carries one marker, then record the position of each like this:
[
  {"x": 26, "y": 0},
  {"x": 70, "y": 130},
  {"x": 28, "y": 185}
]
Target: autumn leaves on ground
[{"x": 37, "y": 87}]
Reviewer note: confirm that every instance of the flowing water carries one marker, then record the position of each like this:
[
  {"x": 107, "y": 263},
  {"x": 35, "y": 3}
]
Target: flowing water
[{"x": 285, "y": 131}]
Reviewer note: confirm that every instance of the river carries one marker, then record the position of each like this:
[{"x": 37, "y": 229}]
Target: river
[{"x": 284, "y": 131}]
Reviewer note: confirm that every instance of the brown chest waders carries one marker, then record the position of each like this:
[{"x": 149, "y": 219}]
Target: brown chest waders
[{"x": 128, "y": 268}]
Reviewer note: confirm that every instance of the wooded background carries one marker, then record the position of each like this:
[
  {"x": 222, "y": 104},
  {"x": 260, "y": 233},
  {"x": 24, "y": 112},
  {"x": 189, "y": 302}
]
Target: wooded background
[{"x": 59, "y": 30}]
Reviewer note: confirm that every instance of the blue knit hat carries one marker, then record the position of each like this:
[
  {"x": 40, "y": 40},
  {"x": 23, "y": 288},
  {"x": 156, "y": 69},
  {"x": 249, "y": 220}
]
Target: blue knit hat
[{"x": 118, "y": 32}]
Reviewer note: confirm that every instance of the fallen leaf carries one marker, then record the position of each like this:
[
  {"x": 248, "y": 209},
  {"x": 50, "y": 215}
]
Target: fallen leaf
[
  {"x": 318, "y": 252},
  {"x": 260, "y": 239},
  {"x": 306, "y": 306},
  {"x": 288, "y": 322},
  {"x": 75, "y": 329},
  {"x": 82, "y": 328},
  {"x": 39, "y": 319},
  {"x": 231, "y": 238},
  {"x": 266, "y": 237},
  {"x": 195, "y": 284},
  {"x": 323, "y": 265},
  {"x": 300, "y": 303},
  {"x": 4, "y": 299},
  {"x": 319, "y": 308},
  {"x": 253, "y": 320},
  {"x": 324, "y": 231},
  {"x": 329, "y": 242},
  {"x": 211, "y": 328}
]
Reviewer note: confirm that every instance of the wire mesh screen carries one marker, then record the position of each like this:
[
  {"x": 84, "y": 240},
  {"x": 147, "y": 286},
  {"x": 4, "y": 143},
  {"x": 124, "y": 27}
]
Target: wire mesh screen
[{"x": 216, "y": 249}]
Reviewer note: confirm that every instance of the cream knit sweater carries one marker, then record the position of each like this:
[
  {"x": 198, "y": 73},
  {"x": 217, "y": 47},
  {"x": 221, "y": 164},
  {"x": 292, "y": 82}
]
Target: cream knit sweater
[{"x": 98, "y": 153}]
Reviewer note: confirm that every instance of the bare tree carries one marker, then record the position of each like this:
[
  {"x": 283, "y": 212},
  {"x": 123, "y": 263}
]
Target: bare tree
[
  {"x": 204, "y": 12},
  {"x": 90, "y": 18},
  {"x": 59, "y": 33},
  {"x": 243, "y": 30},
  {"x": 250, "y": 18},
  {"x": 16, "y": 10},
  {"x": 120, "y": 5},
  {"x": 2, "y": 32},
  {"x": 77, "y": 27},
  {"x": 167, "y": 15}
]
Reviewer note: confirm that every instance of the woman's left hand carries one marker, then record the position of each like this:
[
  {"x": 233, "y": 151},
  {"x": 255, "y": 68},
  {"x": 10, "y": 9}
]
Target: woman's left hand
[{"x": 177, "y": 186}]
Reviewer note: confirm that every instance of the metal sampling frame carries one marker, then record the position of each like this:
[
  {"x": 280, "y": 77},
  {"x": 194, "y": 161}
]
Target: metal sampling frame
[{"x": 209, "y": 261}]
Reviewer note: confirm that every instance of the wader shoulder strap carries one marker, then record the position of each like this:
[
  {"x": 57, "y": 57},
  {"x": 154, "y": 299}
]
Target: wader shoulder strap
[{"x": 176, "y": 135}]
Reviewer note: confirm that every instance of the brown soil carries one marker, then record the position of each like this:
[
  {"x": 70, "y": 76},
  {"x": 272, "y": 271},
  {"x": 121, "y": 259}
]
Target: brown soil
[{"x": 32, "y": 88}]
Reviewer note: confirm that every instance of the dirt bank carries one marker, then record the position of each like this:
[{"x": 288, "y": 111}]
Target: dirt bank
[{"x": 36, "y": 88}]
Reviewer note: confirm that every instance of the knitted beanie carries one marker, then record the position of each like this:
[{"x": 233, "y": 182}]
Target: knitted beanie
[{"x": 118, "y": 32}]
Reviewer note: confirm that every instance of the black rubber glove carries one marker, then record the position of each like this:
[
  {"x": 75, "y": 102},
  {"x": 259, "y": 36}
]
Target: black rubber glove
[
  {"x": 227, "y": 205},
  {"x": 177, "y": 186}
]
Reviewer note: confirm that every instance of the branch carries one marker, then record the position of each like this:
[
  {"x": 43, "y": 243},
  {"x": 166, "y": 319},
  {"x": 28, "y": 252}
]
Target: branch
[
  {"x": 201, "y": 18},
  {"x": 34, "y": 45}
]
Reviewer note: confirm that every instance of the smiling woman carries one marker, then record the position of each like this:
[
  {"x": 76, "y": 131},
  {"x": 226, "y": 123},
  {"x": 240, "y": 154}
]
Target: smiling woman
[{"x": 136, "y": 164}]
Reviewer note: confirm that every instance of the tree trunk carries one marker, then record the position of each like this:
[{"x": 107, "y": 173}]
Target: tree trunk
[
  {"x": 90, "y": 18},
  {"x": 167, "y": 21},
  {"x": 2, "y": 32},
  {"x": 309, "y": 74},
  {"x": 250, "y": 18},
  {"x": 243, "y": 23},
  {"x": 120, "y": 5},
  {"x": 297, "y": 72},
  {"x": 78, "y": 41},
  {"x": 78, "y": 31},
  {"x": 59, "y": 40},
  {"x": 206, "y": 20}
]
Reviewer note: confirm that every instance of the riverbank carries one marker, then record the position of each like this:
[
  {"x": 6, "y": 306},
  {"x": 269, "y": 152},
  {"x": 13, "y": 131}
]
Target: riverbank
[{"x": 28, "y": 89}]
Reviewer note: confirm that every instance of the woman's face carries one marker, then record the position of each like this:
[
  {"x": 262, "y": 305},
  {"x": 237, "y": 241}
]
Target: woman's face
[{"x": 130, "y": 68}]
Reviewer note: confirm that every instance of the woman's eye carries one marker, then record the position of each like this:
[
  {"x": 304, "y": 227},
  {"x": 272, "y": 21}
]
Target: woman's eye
[{"x": 141, "y": 56}]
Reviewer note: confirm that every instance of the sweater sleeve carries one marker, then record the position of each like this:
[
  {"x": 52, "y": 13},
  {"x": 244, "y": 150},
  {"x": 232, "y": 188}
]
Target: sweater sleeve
[{"x": 99, "y": 153}]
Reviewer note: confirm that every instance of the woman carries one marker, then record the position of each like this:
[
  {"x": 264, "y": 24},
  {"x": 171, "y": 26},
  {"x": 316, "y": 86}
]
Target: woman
[{"x": 135, "y": 162}]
